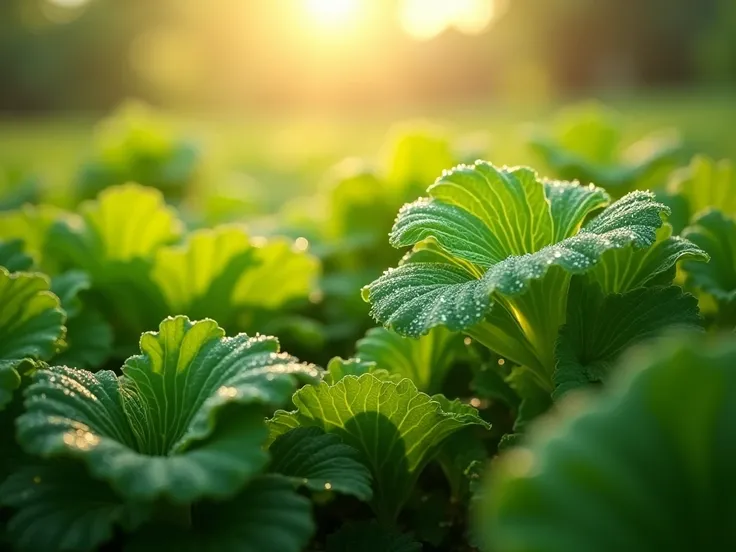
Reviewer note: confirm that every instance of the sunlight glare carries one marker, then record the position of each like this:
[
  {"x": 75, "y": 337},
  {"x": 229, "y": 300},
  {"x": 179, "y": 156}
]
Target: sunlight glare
[
  {"x": 425, "y": 19},
  {"x": 71, "y": 4},
  {"x": 332, "y": 12}
]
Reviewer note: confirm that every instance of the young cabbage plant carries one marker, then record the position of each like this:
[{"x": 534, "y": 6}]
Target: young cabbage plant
[
  {"x": 183, "y": 424},
  {"x": 623, "y": 472},
  {"x": 495, "y": 251},
  {"x": 395, "y": 428}
]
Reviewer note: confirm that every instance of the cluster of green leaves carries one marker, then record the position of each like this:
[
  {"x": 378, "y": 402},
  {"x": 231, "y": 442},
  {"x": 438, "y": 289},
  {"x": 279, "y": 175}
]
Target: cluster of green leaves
[
  {"x": 526, "y": 267},
  {"x": 135, "y": 144},
  {"x": 127, "y": 253}
]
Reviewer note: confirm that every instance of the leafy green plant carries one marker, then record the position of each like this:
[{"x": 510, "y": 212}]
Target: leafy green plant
[
  {"x": 585, "y": 143},
  {"x": 184, "y": 423},
  {"x": 625, "y": 472},
  {"x": 497, "y": 250}
]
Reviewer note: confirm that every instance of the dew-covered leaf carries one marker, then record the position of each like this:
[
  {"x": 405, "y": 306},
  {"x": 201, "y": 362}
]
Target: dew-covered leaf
[
  {"x": 599, "y": 328},
  {"x": 320, "y": 461},
  {"x": 338, "y": 368},
  {"x": 184, "y": 421},
  {"x": 58, "y": 507},
  {"x": 632, "y": 470},
  {"x": 396, "y": 429},
  {"x": 426, "y": 360}
]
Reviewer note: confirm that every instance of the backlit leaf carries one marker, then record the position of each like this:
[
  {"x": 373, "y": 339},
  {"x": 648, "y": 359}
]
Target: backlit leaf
[
  {"x": 706, "y": 184},
  {"x": 396, "y": 429}
]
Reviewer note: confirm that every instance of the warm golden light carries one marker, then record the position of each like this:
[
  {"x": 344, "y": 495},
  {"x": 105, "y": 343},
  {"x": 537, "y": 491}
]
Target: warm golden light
[
  {"x": 332, "y": 12},
  {"x": 425, "y": 19}
]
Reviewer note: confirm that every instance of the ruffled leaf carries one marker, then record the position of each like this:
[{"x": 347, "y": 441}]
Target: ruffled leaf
[
  {"x": 599, "y": 328},
  {"x": 630, "y": 472},
  {"x": 426, "y": 361},
  {"x": 320, "y": 461},
  {"x": 58, "y": 507},
  {"x": 396, "y": 429},
  {"x": 31, "y": 326},
  {"x": 516, "y": 305},
  {"x": 338, "y": 368},
  {"x": 32, "y": 224},
  {"x": 184, "y": 421}
]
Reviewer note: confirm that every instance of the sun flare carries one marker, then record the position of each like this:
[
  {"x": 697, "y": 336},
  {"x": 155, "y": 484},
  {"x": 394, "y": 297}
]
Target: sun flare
[{"x": 332, "y": 12}]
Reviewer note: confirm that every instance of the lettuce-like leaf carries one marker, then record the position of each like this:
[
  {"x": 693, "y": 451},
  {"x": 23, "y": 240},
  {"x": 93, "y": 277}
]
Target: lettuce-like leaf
[
  {"x": 600, "y": 327},
  {"x": 369, "y": 536},
  {"x": 705, "y": 184},
  {"x": 320, "y": 461},
  {"x": 426, "y": 360},
  {"x": 506, "y": 286},
  {"x": 396, "y": 429},
  {"x": 32, "y": 224},
  {"x": 31, "y": 327},
  {"x": 338, "y": 368},
  {"x": 716, "y": 234},
  {"x": 184, "y": 421},
  {"x": 629, "y": 472},
  {"x": 59, "y": 508}
]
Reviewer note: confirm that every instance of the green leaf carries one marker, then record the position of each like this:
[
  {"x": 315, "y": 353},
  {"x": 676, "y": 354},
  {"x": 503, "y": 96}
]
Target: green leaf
[
  {"x": 31, "y": 326},
  {"x": 89, "y": 336},
  {"x": 621, "y": 270},
  {"x": 369, "y": 536},
  {"x": 199, "y": 278},
  {"x": 426, "y": 360},
  {"x": 12, "y": 256},
  {"x": 630, "y": 471},
  {"x": 585, "y": 144},
  {"x": 283, "y": 273},
  {"x": 599, "y": 328},
  {"x": 338, "y": 368},
  {"x": 267, "y": 515},
  {"x": 716, "y": 234},
  {"x": 114, "y": 240},
  {"x": 396, "y": 429},
  {"x": 514, "y": 301},
  {"x": 706, "y": 184},
  {"x": 184, "y": 421},
  {"x": 58, "y": 507},
  {"x": 320, "y": 461},
  {"x": 32, "y": 224}
]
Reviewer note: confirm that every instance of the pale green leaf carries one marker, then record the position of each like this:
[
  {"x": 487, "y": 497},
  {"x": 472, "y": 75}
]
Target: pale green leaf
[
  {"x": 32, "y": 224},
  {"x": 599, "y": 328},
  {"x": 396, "y": 429},
  {"x": 645, "y": 467},
  {"x": 31, "y": 326},
  {"x": 320, "y": 461},
  {"x": 184, "y": 421},
  {"x": 426, "y": 360},
  {"x": 715, "y": 233},
  {"x": 58, "y": 507},
  {"x": 706, "y": 184},
  {"x": 369, "y": 536}
]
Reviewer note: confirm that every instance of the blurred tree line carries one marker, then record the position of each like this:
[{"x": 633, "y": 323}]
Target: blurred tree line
[{"x": 72, "y": 55}]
